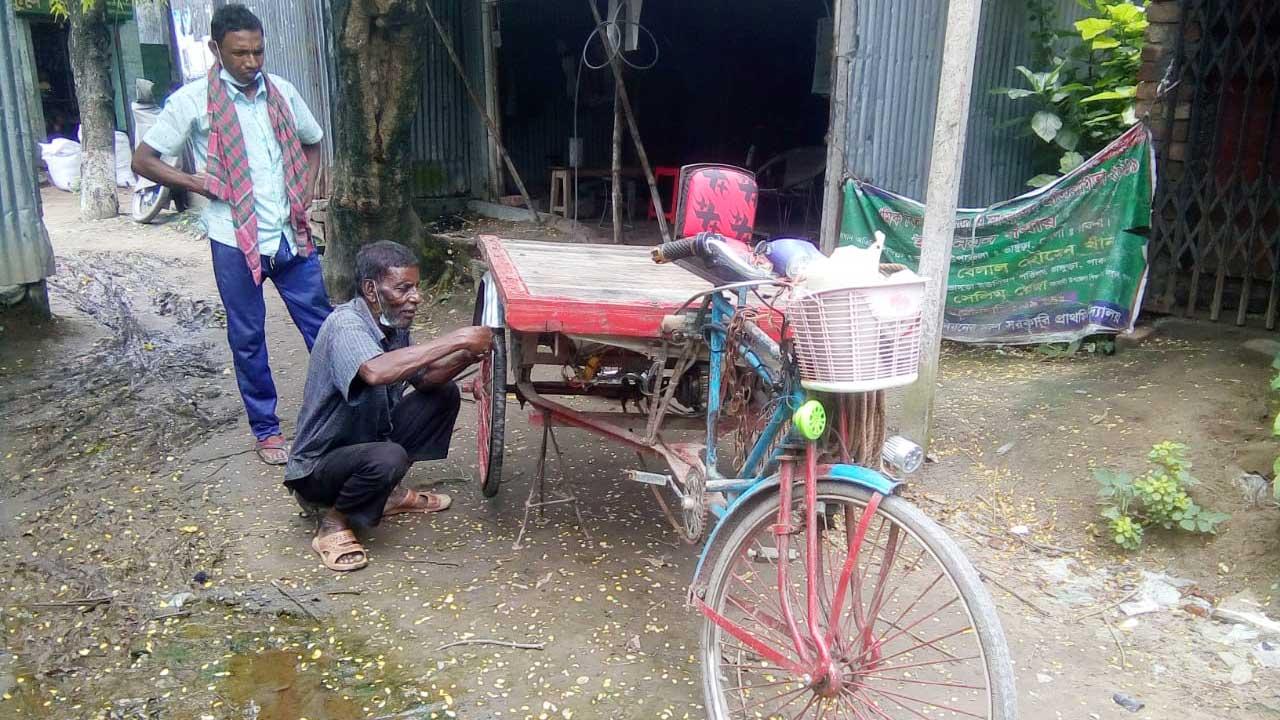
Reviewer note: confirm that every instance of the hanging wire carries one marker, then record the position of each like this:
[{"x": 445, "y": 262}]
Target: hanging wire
[{"x": 609, "y": 26}]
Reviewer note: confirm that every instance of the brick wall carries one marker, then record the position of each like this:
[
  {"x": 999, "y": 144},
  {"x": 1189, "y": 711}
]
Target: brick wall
[{"x": 1165, "y": 17}]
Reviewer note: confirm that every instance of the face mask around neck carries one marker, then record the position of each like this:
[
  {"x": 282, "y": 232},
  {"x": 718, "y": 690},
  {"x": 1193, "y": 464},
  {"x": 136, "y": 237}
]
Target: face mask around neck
[
  {"x": 383, "y": 320},
  {"x": 218, "y": 53}
]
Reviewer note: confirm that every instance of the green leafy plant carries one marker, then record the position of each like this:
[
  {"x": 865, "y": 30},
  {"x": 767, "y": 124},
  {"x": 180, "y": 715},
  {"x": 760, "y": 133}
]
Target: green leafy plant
[
  {"x": 60, "y": 11},
  {"x": 1083, "y": 98},
  {"x": 1117, "y": 488},
  {"x": 1157, "y": 498},
  {"x": 1042, "y": 17}
]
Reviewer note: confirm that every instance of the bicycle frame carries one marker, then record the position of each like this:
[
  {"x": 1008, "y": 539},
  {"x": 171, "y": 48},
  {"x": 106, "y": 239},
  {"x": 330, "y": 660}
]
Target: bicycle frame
[
  {"x": 759, "y": 469},
  {"x": 759, "y": 474},
  {"x": 751, "y": 471},
  {"x": 677, "y": 335}
]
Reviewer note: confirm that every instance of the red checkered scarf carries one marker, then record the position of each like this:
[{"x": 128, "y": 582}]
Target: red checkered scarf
[{"x": 228, "y": 168}]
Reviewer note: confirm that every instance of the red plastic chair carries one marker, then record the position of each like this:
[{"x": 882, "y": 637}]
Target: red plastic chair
[
  {"x": 720, "y": 199},
  {"x": 660, "y": 173}
]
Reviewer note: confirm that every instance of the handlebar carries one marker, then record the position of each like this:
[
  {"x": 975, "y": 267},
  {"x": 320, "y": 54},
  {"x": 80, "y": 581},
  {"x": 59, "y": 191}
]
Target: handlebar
[{"x": 677, "y": 250}]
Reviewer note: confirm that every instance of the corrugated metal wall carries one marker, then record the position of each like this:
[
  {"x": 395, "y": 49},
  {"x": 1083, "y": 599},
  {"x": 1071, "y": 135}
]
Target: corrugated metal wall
[
  {"x": 325, "y": 81},
  {"x": 25, "y": 253},
  {"x": 541, "y": 139},
  {"x": 479, "y": 134},
  {"x": 443, "y": 127},
  {"x": 894, "y": 91},
  {"x": 296, "y": 51},
  {"x": 295, "y": 40},
  {"x": 26, "y": 63}
]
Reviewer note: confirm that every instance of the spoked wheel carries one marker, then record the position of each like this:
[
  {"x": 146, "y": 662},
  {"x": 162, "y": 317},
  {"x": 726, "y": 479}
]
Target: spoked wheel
[
  {"x": 148, "y": 202},
  {"x": 917, "y": 635},
  {"x": 490, "y": 392}
]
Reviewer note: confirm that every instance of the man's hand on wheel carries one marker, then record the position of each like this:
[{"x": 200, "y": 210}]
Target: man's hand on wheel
[{"x": 476, "y": 340}]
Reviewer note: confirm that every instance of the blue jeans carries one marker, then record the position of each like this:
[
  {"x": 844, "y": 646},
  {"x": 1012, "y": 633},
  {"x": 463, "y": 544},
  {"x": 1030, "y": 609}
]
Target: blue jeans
[{"x": 301, "y": 285}]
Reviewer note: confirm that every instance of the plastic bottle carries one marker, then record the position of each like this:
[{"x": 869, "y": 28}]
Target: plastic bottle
[{"x": 790, "y": 256}]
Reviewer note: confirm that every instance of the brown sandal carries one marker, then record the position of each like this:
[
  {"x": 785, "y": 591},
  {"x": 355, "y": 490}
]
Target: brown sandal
[
  {"x": 331, "y": 548},
  {"x": 420, "y": 502},
  {"x": 273, "y": 450}
]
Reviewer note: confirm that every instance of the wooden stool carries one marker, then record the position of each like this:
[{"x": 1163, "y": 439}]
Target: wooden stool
[{"x": 559, "y": 192}]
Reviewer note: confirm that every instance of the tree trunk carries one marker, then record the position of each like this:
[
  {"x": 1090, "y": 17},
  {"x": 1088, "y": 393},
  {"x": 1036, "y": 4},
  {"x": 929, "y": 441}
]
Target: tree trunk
[
  {"x": 90, "y": 49},
  {"x": 380, "y": 46}
]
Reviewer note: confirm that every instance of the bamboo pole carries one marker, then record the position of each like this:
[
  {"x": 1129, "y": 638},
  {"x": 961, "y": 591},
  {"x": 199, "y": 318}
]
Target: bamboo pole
[
  {"x": 616, "y": 65},
  {"x": 940, "y": 206},
  {"x": 479, "y": 104},
  {"x": 617, "y": 166}
]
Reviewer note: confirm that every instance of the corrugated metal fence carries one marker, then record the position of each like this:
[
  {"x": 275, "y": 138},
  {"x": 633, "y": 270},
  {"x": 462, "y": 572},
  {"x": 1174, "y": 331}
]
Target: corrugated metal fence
[
  {"x": 295, "y": 40},
  {"x": 25, "y": 253},
  {"x": 894, "y": 91},
  {"x": 443, "y": 129}
]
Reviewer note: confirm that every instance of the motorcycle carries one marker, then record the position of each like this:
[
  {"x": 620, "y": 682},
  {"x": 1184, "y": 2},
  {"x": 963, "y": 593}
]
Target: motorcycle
[{"x": 149, "y": 197}]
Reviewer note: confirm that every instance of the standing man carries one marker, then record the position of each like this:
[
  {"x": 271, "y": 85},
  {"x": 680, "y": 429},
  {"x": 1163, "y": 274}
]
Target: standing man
[{"x": 259, "y": 145}]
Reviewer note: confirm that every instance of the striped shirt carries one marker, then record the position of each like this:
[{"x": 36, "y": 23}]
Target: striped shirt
[{"x": 338, "y": 408}]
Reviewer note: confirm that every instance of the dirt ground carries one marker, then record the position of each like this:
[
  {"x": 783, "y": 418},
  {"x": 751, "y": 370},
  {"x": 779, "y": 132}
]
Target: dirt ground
[{"x": 150, "y": 567}]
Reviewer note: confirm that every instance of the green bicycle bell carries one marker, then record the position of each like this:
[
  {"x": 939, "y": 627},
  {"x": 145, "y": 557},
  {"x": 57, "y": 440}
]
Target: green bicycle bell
[{"x": 810, "y": 420}]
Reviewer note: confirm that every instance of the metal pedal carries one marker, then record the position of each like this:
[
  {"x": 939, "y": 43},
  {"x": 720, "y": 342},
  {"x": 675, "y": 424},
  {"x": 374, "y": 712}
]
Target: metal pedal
[
  {"x": 649, "y": 478},
  {"x": 770, "y": 554}
]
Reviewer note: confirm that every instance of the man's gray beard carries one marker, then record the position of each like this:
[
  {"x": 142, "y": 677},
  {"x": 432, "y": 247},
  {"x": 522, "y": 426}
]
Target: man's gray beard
[{"x": 387, "y": 322}]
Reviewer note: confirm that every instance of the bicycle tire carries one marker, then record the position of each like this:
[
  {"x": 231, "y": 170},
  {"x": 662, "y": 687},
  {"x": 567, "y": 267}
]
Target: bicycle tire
[
  {"x": 998, "y": 667},
  {"x": 491, "y": 401},
  {"x": 144, "y": 212}
]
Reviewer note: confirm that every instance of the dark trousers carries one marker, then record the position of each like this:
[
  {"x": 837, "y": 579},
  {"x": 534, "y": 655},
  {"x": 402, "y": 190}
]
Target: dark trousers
[
  {"x": 356, "y": 480},
  {"x": 301, "y": 285}
]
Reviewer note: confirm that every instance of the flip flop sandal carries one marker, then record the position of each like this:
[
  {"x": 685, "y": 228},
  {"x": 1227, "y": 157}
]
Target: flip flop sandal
[
  {"x": 421, "y": 503},
  {"x": 332, "y": 547},
  {"x": 267, "y": 450}
]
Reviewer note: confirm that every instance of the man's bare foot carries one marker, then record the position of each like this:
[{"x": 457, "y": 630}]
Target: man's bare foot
[
  {"x": 408, "y": 500},
  {"x": 337, "y": 545}
]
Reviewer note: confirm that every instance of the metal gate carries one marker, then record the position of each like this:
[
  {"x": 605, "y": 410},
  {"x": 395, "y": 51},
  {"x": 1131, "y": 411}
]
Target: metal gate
[{"x": 1216, "y": 235}]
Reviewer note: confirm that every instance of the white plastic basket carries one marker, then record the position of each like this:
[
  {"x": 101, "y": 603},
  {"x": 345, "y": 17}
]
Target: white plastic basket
[{"x": 859, "y": 339}]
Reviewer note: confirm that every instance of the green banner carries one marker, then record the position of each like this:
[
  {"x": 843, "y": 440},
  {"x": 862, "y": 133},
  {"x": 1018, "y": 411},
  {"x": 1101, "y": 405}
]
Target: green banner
[{"x": 1054, "y": 265}]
